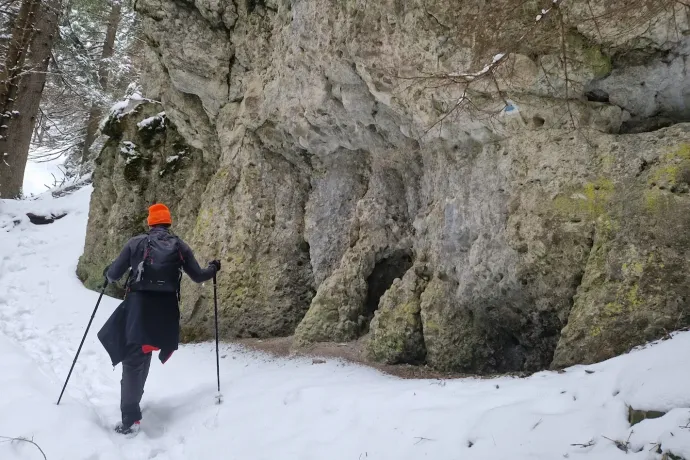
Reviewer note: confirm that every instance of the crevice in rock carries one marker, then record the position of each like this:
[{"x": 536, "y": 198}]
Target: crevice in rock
[
  {"x": 385, "y": 272},
  {"x": 436, "y": 20},
  {"x": 251, "y": 5},
  {"x": 644, "y": 165},
  {"x": 577, "y": 282},
  {"x": 637, "y": 125},
  {"x": 538, "y": 121},
  {"x": 231, "y": 63},
  {"x": 638, "y": 57},
  {"x": 597, "y": 95}
]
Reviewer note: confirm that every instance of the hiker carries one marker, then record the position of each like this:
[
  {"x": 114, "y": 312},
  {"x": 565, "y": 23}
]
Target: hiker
[{"x": 148, "y": 319}]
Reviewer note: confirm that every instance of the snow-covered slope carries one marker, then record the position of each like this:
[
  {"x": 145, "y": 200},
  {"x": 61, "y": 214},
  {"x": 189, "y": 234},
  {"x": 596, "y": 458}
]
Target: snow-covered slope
[{"x": 292, "y": 409}]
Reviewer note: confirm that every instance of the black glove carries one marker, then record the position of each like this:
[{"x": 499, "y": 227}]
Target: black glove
[
  {"x": 215, "y": 264},
  {"x": 105, "y": 274}
]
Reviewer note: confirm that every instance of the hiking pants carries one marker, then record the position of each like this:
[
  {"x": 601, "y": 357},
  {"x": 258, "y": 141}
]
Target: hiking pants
[{"x": 135, "y": 370}]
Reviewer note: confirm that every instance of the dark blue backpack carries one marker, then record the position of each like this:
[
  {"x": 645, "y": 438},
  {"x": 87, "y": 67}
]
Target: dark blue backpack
[{"x": 161, "y": 268}]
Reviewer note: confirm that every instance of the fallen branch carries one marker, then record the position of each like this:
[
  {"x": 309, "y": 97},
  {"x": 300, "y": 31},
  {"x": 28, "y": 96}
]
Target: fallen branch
[
  {"x": 421, "y": 439},
  {"x": 30, "y": 441},
  {"x": 44, "y": 220},
  {"x": 624, "y": 446},
  {"x": 588, "y": 444}
]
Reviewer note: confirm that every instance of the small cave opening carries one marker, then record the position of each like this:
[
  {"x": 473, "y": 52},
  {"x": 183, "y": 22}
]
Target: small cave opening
[{"x": 385, "y": 272}]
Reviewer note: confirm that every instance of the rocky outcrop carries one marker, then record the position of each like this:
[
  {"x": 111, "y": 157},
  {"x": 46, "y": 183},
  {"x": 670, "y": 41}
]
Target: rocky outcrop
[
  {"x": 482, "y": 189},
  {"x": 145, "y": 160},
  {"x": 635, "y": 286}
]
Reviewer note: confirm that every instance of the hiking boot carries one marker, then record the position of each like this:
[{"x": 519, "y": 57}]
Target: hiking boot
[{"x": 129, "y": 431}]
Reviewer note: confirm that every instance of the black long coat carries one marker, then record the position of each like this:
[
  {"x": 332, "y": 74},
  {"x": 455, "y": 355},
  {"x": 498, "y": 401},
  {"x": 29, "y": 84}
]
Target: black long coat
[
  {"x": 147, "y": 318},
  {"x": 143, "y": 318}
]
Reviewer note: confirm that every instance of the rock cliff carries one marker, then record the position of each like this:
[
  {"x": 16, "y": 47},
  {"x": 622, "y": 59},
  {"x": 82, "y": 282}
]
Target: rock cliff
[{"x": 480, "y": 187}]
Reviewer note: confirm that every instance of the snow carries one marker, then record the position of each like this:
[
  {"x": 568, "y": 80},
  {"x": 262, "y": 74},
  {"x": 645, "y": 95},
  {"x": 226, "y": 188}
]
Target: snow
[
  {"x": 131, "y": 101},
  {"x": 129, "y": 149},
  {"x": 38, "y": 176},
  {"x": 148, "y": 121},
  {"x": 291, "y": 408},
  {"x": 172, "y": 158}
]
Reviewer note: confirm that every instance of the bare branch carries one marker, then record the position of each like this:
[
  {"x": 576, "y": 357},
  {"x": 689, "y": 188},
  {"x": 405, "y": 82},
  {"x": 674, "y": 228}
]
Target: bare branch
[{"x": 30, "y": 441}]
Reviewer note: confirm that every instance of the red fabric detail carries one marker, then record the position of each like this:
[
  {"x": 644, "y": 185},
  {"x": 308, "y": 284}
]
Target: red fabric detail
[
  {"x": 148, "y": 348},
  {"x": 137, "y": 422}
]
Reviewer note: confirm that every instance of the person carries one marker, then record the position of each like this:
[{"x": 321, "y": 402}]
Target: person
[{"x": 148, "y": 319}]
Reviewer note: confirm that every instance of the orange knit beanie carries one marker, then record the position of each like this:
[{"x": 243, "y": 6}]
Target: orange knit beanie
[{"x": 159, "y": 214}]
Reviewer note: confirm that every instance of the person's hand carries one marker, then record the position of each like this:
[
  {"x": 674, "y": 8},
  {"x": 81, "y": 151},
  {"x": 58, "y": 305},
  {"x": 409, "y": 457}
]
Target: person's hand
[
  {"x": 105, "y": 274},
  {"x": 215, "y": 264}
]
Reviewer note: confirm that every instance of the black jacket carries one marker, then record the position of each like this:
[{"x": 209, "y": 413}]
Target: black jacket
[
  {"x": 146, "y": 318},
  {"x": 133, "y": 253}
]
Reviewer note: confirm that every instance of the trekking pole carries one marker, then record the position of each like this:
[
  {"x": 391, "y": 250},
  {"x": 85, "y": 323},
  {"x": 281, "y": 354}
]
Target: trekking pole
[
  {"x": 105, "y": 285},
  {"x": 219, "y": 396}
]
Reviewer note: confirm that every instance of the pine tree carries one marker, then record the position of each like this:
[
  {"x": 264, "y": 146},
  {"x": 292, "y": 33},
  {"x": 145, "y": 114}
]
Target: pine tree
[
  {"x": 93, "y": 63},
  {"x": 108, "y": 49}
]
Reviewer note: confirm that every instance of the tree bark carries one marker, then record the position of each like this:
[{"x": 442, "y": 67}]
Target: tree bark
[
  {"x": 23, "y": 78},
  {"x": 108, "y": 50},
  {"x": 17, "y": 49}
]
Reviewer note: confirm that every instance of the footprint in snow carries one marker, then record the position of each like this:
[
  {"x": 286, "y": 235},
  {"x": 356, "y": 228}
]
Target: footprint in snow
[
  {"x": 292, "y": 397},
  {"x": 156, "y": 452},
  {"x": 15, "y": 267}
]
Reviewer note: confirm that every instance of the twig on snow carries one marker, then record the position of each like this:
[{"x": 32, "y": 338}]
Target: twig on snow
[
  {"x": 421, "y": 439},
  {"x": 588, "y": 444},
  {"x": 624, "y": 446},
  {"x": 30, "y": 441},
  {"x": 537, "y": 424}
]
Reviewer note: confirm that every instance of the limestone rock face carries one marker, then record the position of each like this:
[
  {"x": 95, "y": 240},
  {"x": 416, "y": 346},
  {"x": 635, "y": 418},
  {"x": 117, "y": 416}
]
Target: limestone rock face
[
  {"x": 480, "y": 188},
  {"x": 635, "y": 286}
]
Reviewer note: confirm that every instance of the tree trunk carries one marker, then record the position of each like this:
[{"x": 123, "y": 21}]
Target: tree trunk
[
  {"x": 16, "y": 52},
  {"x": 23, "y": 78},
  {"x": 108, "y": 49}
]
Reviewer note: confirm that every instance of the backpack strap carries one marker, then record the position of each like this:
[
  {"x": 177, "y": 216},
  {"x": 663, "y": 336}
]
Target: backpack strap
[
  {"x": 179, "y": 278},
  {"x": 147, "y": 252},
  {"x": 128, "y": 288}
]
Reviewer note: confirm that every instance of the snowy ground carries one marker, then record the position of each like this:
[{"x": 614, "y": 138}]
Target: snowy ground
[
  {"x": 41, "y": 175},
  {"x": 292, "y": 409}
]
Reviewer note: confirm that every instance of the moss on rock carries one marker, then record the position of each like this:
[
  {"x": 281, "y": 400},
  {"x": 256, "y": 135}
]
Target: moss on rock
[
  {"x": 586, "y": 202},
  {"x": 635, "y": 275},
  {"x": 396, "y": 334},
  {"x": 336, "y": 313}
]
